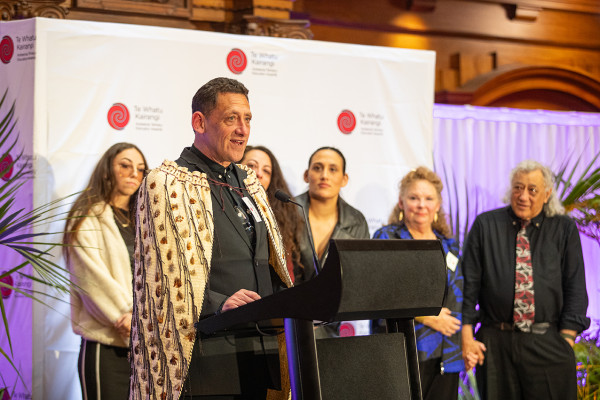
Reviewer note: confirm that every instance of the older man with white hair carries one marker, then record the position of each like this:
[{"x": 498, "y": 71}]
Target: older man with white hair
[{"x": 523, "y": 265}]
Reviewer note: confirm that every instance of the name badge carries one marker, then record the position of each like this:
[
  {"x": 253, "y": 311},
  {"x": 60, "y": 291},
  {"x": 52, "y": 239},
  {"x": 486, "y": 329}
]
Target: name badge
[
  {"x": 252, "y": 209},
  {"x": 451, "y": 261}
]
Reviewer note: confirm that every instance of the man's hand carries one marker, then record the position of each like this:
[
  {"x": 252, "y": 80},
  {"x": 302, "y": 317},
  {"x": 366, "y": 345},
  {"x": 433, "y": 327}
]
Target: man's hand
[
  {"x": 123, "y": 325},
  {"x": 444, "y": 323},
  {"x": 239, "y": 298},
  {"x": 470, "y": 361},
  {"x": 567, "y": 334},
  {"x": 472, "y": 349}
]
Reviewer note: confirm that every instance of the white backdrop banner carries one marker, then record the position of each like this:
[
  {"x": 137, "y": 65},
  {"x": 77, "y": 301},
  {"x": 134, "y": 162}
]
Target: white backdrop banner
[{"x": 97, "y": 84}]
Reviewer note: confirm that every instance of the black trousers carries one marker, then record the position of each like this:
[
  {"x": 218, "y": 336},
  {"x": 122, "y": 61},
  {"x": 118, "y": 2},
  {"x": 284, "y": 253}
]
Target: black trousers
[
  {"x": 526, "y": 366},
  {"x": 233, "y": 367},
  {"x": 103, "y": 371},
  {"x": 436, "y": 386}
]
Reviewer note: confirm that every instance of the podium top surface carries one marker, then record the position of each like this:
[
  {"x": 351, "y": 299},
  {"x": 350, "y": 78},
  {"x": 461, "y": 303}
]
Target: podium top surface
[{"x": 361, "y": 279}]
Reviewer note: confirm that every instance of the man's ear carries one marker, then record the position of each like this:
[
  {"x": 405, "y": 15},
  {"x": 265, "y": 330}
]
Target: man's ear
[
  {"x": 548, "y": 193},
  {"x": 198, "y": 122}
]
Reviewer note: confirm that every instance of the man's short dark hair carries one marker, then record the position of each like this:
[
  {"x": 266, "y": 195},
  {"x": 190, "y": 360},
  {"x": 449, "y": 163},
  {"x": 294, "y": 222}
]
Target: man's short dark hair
[{"x": 205, "y": 99}]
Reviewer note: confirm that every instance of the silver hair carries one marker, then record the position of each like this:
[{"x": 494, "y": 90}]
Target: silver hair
[{"x": 553, "y": 206}]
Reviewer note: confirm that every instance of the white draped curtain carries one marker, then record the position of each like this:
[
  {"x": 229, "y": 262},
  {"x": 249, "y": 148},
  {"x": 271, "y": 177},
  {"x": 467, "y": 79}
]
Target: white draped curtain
[{"x": 475, "y": 149}]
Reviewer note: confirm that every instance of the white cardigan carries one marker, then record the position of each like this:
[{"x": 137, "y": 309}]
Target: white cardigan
[{"x": 102, "y": 271}]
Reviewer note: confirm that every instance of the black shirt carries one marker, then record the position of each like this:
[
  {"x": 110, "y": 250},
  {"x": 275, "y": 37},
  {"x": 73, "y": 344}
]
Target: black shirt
[
  {"x": 351, "y": 225},
  {"x": 125, "y": 226},
  {"x": 217, "y": 171},
  {"x": 232, "y": 188},
  {"x": 558, "y": 272}
]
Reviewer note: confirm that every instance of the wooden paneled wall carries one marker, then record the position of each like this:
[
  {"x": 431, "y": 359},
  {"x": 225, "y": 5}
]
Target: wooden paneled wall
[
  {"x": 478, "y": 40},
  {"x": 480, "y": 45}
]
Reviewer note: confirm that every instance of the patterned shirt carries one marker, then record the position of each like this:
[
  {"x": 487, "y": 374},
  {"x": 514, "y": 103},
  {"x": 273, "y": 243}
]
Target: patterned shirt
[
  {"x": 432, "y": 344},
  {"x": 558, "y": 270}
]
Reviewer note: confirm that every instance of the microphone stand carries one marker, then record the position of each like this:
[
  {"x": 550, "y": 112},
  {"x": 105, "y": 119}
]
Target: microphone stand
[
  {"x": 286, "y": 198},
  {"x": 300, "y": 338}
]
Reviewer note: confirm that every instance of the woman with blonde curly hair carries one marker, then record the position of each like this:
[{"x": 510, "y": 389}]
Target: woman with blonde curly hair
[{"x": 419, "y": 215}]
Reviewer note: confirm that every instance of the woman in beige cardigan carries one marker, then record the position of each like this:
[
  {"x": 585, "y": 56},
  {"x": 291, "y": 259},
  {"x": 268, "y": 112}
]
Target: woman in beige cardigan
[{"x": 102, "y": 236}]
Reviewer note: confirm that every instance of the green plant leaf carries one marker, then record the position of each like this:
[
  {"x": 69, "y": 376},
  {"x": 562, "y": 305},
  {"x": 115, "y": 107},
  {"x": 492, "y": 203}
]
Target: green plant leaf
[
  {"x": 6, "y": 221},
  {"x": 16, "y": 226},
  {"x": 5, "y": 320},
  {"x": 11, "y": 363}
]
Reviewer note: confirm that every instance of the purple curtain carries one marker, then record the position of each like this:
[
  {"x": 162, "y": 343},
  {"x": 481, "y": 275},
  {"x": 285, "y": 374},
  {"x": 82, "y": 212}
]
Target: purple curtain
[{"x": 476, "y": 147}]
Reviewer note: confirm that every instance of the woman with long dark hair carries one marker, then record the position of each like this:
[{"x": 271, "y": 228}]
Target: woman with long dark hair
[
  {"x": 268, "y": 172},
  {"x": 329, "y": 215},
  {"x": 100, "y": 236}
]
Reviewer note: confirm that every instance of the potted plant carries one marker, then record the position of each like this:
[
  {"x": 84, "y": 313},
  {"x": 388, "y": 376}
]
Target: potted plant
[{"x": 16, "y": 232}]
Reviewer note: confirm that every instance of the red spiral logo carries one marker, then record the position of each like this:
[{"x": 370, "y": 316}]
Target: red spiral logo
[
  {"x": 118, "y": 116},
  {"x": 346, "y": 122},
  {"x": 7, "y": 49},
  {"x": 6, "y": 165},
  {"x": 6, "y": 291},
  {"x": 346, "y": 329},
  {"x": 236, "y": 61}
]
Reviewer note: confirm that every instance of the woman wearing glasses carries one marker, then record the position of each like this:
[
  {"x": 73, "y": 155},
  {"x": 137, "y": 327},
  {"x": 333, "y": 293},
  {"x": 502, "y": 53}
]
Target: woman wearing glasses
[{"x": 100, "y": 237}]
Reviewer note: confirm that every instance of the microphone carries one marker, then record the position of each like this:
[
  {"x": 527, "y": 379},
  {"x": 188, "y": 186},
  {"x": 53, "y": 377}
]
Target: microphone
[
  {"x": 286, "y": 198},
  {"x": 283, "y": 196}
]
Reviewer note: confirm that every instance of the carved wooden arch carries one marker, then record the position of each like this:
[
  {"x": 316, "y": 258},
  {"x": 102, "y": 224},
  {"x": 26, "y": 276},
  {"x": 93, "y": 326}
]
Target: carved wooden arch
[{"x": 530, "y": 87}]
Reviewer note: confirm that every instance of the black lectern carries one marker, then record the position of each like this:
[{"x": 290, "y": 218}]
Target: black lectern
[{"x": 362, "y": 279}]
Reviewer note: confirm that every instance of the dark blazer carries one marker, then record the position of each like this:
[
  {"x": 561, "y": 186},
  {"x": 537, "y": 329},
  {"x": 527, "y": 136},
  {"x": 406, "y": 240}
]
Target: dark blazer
[{"x": 233, "y": 365}]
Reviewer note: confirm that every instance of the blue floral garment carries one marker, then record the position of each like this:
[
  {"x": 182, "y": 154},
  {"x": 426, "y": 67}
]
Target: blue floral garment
[{"x": 431, "y": 343}]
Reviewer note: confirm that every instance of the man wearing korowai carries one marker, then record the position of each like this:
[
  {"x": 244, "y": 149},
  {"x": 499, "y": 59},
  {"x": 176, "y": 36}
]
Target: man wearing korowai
[{"x": 206, "y": 242}]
